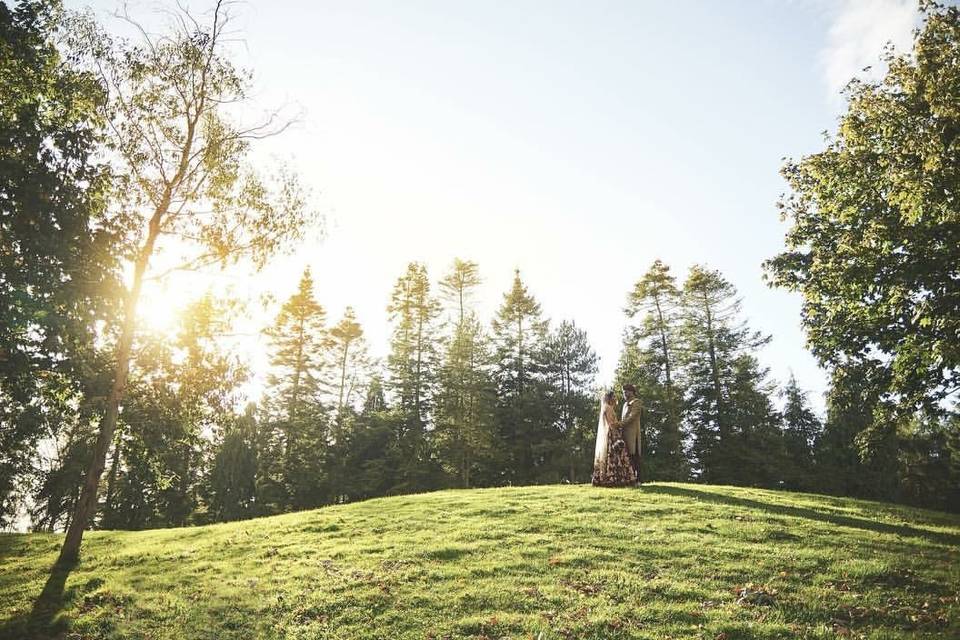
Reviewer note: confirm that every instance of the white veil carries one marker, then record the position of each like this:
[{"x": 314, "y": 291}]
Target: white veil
[{"x": 600, "y": 452}]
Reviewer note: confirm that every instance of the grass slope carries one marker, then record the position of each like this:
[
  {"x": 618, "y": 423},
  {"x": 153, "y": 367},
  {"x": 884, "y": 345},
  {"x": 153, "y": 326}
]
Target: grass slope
[{"x": 664, "y": 561}]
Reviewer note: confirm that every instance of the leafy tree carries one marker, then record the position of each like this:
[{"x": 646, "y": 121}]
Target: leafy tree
[
  {"x": 58, "y": 269},
  {"x": 182, "y": 183},
  {"x": 232, "y": 482},
  {"x": 519, "y": 333},
  {"x": 180, "y": 390},
  {"x": 874, "y": 241}
]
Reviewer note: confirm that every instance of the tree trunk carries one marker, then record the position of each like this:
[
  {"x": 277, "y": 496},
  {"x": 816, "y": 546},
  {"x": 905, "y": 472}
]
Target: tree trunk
[
  {"x": 714, "y": 371},
  {"x": 663, "y": 340},
  {"x": 343, "y": 384},
  {"x": 87, "y": 503},
  {"x": 114, "y": 467}
]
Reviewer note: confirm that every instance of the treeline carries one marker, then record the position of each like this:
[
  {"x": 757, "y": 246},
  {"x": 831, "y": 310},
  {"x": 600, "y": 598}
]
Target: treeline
[
  {"x": 462, "y": 403},
  {"x": 713, "y": 417}
]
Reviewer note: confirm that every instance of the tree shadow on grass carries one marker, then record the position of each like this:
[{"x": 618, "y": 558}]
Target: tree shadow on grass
[
  {"x": 938, "y": 537},
  {"x": 44, "y": 620}
]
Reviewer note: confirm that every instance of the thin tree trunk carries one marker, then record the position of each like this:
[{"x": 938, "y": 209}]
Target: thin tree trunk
[
  {"x": 715, "y": 373},
  {"x": 663, "y": 340},
  {"x": 343, "y": 384},
  {"x": 114, "y": 467},
  {"x": 86, "y": 505}
]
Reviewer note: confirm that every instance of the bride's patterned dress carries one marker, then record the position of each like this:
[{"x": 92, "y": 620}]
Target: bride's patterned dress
[{"x": 617, "y": 471}]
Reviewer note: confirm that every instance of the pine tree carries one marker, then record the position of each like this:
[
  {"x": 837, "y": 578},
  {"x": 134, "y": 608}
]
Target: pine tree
[
  {"x": 571, "y": 367},
  {"x": 350, "y": 359},
  {"x": 519, "y": 332},
  {"x": 413, "y": 364},
  {"x": 300, "y": 347},
  {"x": 466, "y": 394},
  {"x": 725, "y": 385},
  {"x": 459, "y": 286},
  {"x": 801, "y": 430},
  {"x": 652, "y": 342},
  {"x": 466, "y": 402},
  {"x": 413, "y": 357}
]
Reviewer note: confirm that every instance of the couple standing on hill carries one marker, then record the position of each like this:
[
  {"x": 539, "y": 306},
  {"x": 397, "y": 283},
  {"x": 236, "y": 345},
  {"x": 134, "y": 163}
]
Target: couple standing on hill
[{"x": 616, "y": 460}]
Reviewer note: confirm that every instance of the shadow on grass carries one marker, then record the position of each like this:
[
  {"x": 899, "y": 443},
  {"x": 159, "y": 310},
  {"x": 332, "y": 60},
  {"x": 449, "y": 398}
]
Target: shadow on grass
[
  {"x": 809, "y": 514},
  {"x": 44, "y": 621}
]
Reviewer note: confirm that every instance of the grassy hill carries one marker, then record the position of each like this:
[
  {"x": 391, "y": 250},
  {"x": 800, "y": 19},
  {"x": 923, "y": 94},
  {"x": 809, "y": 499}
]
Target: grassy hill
[{"x": 664, "y": 561}]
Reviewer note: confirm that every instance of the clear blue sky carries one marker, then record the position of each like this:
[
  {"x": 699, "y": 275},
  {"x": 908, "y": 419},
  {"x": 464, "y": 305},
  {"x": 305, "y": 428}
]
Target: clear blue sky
[{"x": 577, "y": 141}]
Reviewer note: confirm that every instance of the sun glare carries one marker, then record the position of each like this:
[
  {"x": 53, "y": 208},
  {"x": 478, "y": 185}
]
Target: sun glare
[{"x": 160, "y": 311}]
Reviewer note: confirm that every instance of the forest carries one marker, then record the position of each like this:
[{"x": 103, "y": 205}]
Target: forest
[{"x": 116, "y": 154}]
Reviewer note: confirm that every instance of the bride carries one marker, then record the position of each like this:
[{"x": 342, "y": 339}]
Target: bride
[{"x": 611, "y": 463}]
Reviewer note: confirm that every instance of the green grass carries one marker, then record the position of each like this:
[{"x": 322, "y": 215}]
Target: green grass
[{"x": 664, "y": 561}]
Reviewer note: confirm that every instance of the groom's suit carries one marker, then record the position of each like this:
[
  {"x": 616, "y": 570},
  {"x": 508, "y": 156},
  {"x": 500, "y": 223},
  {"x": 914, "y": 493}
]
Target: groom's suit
[{"x": 630, "y": 422}]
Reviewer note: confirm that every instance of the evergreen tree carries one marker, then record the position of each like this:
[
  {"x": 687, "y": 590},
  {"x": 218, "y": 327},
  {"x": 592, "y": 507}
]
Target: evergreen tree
[
  {"x": 300, "y": 348},
  {"x": 850, "y": 409},
  {"x": 519, "y": 333},
  {"x": 571, "y": 367},
  {"x": 413, "y": 356},
  {"x": 727, "y": 392},
  {"x": 653, "y": 363},
  {"x": 801, "y": 430},
  {"x": 350, "y": 358},
  {"x": 466, "y": 402},
  {"x": 466, "y": 393},
  {"x": 413, "y": 364}
]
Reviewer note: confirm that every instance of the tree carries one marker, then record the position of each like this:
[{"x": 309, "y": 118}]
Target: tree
[
  {"x": 300, "y": 356},
  {"x": 182, "y": 389},
  {"x": 232, "y": 482},
  {"x": 299, "y": 342},
  {"x": 801, "y": 429},
  {"x": 413, "y": 365},
  {"x": 466, "y": 401},
  {"x": 58, "y": 268},
  {"x": 874, "y": 238},
  {"x": 466, "y": 394},
  {"x": 727, "y": 393},
  {"x": 183, "y": 185},
  {"x": 519, "y": 333},
  {"x": 459, "y": 285},
  {"x": 350, "y": 355},
  {"x": 571, "y": 367},
  {"x": 652, "y": 342},
  {"x": 413, "y": 354}
]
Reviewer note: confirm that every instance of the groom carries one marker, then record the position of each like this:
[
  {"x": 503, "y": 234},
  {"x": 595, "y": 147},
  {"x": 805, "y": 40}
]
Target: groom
[{"x": 630, "y": 423}]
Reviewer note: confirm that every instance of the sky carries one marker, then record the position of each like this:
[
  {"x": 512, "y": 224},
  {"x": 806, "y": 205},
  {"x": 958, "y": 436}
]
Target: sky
[{"x": 575, "y": 141}]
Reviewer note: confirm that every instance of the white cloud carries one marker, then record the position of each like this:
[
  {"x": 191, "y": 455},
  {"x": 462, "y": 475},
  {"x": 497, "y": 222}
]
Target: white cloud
[{"x": 859, "y": 30}]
